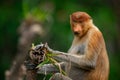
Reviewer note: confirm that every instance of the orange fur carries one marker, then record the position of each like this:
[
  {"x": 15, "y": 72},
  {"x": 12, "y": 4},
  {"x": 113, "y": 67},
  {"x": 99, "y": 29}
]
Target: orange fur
[
  {"x": 95, "y": 49},
  {"x": 87, "y": 58}
]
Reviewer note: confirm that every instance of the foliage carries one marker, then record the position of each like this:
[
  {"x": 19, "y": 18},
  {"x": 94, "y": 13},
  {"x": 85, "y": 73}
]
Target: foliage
[
  {"x": 39, "y": 55},
  {"x": 48, "y": 57}
]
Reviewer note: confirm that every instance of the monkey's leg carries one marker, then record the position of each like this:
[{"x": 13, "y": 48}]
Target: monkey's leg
[{"x": 59, "y": 76}]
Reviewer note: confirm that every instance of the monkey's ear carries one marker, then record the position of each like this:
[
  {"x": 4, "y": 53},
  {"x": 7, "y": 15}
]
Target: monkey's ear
[{"x": 70, "y": 19}]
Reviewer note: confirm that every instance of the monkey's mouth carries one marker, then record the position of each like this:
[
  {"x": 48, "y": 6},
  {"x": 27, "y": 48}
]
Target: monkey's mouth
[{"x": 76, "y": 33}]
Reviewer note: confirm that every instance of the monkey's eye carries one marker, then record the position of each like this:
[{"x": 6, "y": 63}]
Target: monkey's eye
[
  {"x": 80, "y": 21},
  {"x": 75, "y": 21}
]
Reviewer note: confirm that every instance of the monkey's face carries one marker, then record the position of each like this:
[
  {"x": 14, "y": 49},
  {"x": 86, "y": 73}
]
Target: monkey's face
[
  {"x": 78, "y": 23},
  {"x": 77, "y": 28}
]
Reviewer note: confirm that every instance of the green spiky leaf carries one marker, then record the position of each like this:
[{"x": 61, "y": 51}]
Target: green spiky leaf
[{"x": 44, "y": 62}]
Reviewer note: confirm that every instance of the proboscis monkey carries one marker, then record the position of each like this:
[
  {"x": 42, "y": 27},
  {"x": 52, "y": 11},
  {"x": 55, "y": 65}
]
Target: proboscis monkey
[{"x": 87, "y": 54}]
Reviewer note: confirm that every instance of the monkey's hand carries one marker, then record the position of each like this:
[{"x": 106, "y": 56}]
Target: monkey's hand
[
  {"x": 47, "y": 68},
  {"x": 52, "y": 51},
  {"x": 50, "y": 68},
  {"x": 48, "y": 48}
]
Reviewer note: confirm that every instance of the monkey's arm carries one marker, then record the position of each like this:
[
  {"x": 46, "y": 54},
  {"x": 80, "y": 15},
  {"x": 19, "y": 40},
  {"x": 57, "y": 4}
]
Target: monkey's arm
[
  {"x": 50, "y": 68},
  {"x": 88, "y": 59},
  {"x": 81, "y": 61}
]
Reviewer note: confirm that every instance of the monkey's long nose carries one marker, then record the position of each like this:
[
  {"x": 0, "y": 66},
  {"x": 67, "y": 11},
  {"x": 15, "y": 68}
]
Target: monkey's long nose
[{"x": 77, "y": 28}]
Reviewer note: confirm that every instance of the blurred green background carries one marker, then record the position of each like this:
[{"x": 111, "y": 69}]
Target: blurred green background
[{"x": 54, "y": 15}]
